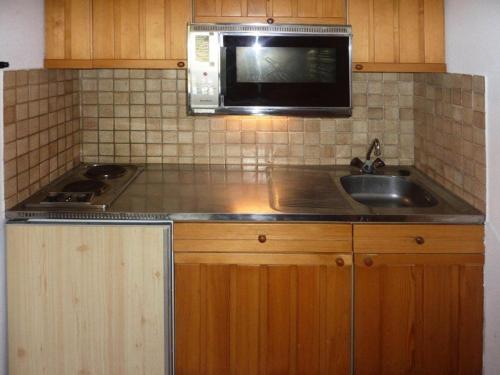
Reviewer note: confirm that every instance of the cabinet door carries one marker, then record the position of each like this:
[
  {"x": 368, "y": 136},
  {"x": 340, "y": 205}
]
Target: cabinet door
[
  {"x": 418, "y": 314},
  {"x": 85, "y": 299},
  {"x": 230, "y": 10},
  {"x": 68, "y": 33},
  {"x": 398, "y": 35},
  {"x": 309, "y": 11},
  {"x": 140, "y": 33},
  {"x": 262, "y": 313}
]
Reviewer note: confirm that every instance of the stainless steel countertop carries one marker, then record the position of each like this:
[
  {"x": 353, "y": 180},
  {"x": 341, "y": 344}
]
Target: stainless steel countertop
[{"x": 256, "y": 193}]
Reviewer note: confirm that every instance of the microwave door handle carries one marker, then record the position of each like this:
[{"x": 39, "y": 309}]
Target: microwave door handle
[{"x": 222, "y": 71}]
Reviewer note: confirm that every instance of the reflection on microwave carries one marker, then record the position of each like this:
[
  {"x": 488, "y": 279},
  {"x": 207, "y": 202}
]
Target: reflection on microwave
[{"x": 283, "y": 64}]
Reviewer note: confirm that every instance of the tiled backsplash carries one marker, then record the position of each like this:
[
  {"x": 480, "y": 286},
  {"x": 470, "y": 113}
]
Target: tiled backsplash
[
  {"x": 41, "y": 129},
  {"x": 54, "y": 118},
  {"x": 140, "y": 116},
  {"x": 450, "y": 133}
]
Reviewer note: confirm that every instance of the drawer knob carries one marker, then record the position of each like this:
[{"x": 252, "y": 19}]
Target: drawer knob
[
  {"x": 368, "y": 261},
  {"x": 262, "y": 238},
  {"x": 340, "y": 262},
  {"x": 358, "y": 67},
  {"x": 270, "y": 21},
  {"x": 181, "y": 64},
  {"x": 419, "y": 240}
]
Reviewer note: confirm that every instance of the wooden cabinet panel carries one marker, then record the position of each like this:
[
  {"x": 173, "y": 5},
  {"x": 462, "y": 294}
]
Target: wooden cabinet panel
[
  {"x": 285, "y": 11},
  {"x": 398, "y": 35},
  {"x": 251, "y": 237},
  {"x": 230, "y": 11},
  {"x": 411, "y": 39},
  {"x": 418, "y": 314},
  {"x": 411, "y": 238},
  {"x": 103, "y": 30},
  {"x": 360, "y": 18},
  {"x": 68, "y": 32},
  {"x": 309, "y": 11},
  {"x": 116, "y": 33},
  {"x": 268, "y": 314},
  {"x": 434, "y": 31},
  {"x": 140, "y": 33},
  {"x": 85, "y": 299}
]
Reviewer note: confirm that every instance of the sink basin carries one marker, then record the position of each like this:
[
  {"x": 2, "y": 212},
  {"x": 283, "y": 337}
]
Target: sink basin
[{"x": 386, "y": 191}]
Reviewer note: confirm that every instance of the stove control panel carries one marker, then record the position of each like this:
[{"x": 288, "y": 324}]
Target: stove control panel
[{"x": 67, "y": 198}]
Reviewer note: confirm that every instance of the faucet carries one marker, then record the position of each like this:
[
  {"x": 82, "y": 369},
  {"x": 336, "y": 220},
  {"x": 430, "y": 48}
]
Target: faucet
[{"x": 370, "y": 166}]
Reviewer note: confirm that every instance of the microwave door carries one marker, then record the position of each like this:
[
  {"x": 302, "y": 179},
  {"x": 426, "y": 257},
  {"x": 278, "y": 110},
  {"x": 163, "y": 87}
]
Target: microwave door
[{"x": 296, "y": 71}]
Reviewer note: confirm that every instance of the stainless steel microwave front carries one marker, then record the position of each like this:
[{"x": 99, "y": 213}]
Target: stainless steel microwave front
[
  {"x": 203, "y": 71},
  {"x": 207, "y": 70}
]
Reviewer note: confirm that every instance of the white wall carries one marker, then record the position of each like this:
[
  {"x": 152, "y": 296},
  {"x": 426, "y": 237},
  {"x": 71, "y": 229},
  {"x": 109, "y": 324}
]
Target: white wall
[
  {"x": 22, "y": 45},
  {"x": 472, "y": 46}
]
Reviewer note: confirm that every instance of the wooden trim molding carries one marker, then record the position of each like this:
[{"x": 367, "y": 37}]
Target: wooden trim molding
[{"x": 361, "y": 67}]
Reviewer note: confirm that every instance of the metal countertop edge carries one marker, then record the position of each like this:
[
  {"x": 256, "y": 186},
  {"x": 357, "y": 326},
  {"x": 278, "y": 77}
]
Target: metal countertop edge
[{"x": 272, "y": 217}]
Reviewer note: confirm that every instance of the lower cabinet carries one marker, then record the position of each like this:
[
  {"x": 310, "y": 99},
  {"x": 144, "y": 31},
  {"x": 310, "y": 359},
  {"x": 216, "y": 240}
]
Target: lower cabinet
[
  {"x": 263, "y": 314},
  {"x": 85, "y": 299},
  {"x": 418, "y": 299}
]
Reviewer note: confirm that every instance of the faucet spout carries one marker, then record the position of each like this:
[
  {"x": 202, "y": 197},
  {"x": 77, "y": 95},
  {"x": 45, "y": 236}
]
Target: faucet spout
[
  {"x": 375, "y": 145},
  {"x": 369, "y": 166}
]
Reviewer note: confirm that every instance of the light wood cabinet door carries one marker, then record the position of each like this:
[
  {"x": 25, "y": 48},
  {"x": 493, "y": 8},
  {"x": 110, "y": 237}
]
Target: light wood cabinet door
[
  {"x": 308, "y": 11},
  {"x": 398, "y": 35},
  {"x": 280, "y": 11},
  {"x": 68, "y": 25},
  {"x": 246, "y": 313},
  {"x": 418, "y": 314},
  {"x": 238, "y": 11},
  {"x": 85, "y": 299},
  {"x": 140, "y": 33}
]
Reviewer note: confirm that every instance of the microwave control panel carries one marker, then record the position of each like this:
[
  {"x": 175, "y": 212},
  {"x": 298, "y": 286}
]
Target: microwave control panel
[{"x": 203, "y": 71}]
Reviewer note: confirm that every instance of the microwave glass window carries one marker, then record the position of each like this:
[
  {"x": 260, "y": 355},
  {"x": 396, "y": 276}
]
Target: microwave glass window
[
  {"x": 285, "y": 65},
  {"x": 285, "y": 71}
]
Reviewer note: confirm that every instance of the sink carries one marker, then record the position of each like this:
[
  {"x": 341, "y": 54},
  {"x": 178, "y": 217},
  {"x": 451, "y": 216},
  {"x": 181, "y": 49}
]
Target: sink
[{"x": 386, "y": 191}]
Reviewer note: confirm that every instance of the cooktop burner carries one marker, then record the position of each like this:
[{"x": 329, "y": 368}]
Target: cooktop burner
[
  {"x": 86, "y": 187},
  {"x": 93, "y": 186},
  {"x": 105, "y": 171}
]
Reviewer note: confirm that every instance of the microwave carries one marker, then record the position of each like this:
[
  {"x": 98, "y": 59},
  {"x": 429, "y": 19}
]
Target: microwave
[{"x": 260, "y": 69}]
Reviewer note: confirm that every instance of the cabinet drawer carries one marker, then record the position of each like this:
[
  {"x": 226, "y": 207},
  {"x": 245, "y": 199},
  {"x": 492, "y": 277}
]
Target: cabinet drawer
[
  {"x": 388, "y": 238},
  {"x": 257, "y": 237}
]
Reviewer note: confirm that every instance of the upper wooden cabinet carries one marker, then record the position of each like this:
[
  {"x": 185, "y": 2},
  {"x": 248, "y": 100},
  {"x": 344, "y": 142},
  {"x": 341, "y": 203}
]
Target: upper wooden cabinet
[
  {"x": 398, "y": 35},
  {"x": 117, "y": 33},
  {"x": 68, "y": 41},
  {"x": 283, "y": 11},
  {"x": 140, "y": 33}
]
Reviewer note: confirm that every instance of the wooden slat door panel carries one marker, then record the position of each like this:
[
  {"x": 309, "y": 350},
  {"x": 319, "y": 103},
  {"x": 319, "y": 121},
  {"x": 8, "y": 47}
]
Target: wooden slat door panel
[
  {"x": 262, "y": 315},
  {"x": 103, "y": 29},
  {"x": 398, "y": 35},
  {"x": 68, "y": 28},
  {"x": 85, "y": 299},
  {"x": 418, "y": 314},
  {"x": 239, "y": 11},
  {"x": 140, "y": 33},
  {"x": 309, "y": 11}
]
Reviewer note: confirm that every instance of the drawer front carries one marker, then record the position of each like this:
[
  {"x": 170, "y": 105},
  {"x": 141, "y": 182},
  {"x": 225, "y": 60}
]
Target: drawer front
[
  {"x": 257, "y": 237},
  {"x": 437, "y": 239}
]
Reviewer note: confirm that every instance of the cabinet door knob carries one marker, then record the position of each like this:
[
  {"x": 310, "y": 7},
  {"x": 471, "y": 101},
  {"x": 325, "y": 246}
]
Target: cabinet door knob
[
  {"x": 419, "y": 240},
  {"x": 270, "y": 21},
  {"x": 358, "y": 67},
  {"x": 368, "y": 261},
  {"x": 181, "y": 64},
  {"x": 262, "y": 238},
  {"x": 340, "y": 262}
]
